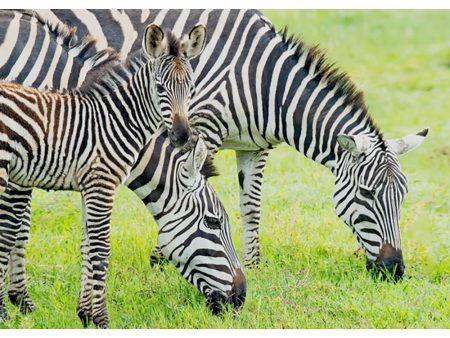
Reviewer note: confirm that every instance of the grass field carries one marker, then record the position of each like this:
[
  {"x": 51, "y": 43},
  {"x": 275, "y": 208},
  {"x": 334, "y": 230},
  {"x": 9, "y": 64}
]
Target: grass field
[{"x": 310, "y": 276}]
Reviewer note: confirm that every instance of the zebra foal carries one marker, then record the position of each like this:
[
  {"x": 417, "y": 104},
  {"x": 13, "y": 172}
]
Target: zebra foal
[{"x": 88, "y": 140}]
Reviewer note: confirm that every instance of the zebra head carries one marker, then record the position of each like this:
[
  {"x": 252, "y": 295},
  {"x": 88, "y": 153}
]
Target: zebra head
[
  {"x": 194, "y": 229},
  {"x": 175, "y": 85},
  {"x": 370, "y": 187}
]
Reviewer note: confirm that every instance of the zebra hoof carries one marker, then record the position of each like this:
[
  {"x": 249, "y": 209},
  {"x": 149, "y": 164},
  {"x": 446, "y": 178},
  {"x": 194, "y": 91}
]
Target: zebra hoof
[
  {"x": 85, "y": 317},
  {"x": 23, "y": 302},
  {"x": 101, "y": 320},
  {"x": 3, "y": 315}
]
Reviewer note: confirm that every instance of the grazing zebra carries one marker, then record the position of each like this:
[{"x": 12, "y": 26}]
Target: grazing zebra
[
  {"x": 256, "y": 88},
  {"x": 87, "y": 140}
]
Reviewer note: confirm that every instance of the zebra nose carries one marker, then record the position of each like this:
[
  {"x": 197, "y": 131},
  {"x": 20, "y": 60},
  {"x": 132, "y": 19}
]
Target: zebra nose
[
  {"x": 217, "y": 301},
  {"x": 389, "y": 263},
  {"x": 181, "y": 131}
]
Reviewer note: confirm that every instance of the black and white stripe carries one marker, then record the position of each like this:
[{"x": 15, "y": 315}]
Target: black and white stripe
[{"x": 86, "y": 141}]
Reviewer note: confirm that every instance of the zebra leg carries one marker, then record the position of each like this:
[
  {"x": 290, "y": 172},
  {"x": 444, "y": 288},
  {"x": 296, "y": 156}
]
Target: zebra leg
[
  {"x": 20, "y": 199},
  {"x": 9, "y": 229},
  {"x": 250, "y": 166},
  {"x": 97, "y": 206},
  {"x": 84, "y": 307}
]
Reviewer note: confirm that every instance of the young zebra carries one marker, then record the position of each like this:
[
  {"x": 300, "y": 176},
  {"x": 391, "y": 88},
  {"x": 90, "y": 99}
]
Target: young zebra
[
  {"x": 88, "y": 140},
  {"x": 256, "y": 88}
]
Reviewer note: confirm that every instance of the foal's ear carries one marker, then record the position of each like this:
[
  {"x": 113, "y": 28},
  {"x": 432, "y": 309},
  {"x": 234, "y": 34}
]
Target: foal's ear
[
  {"x": 193, "y": 44},
  {"x": 154, "y": 43},
  {"x": 407, "y": 143},
  {"x": 355, "y": 144}
]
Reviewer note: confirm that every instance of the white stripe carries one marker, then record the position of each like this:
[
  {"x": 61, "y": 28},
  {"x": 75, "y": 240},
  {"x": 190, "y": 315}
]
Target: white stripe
[
  {"x": 129, "y": 33},
  {"x": 40, "y": 61},
  {"x": 11, "y": 37},
  {"x": 93, "y": 26},
  {"x": 24, "y": 55}
]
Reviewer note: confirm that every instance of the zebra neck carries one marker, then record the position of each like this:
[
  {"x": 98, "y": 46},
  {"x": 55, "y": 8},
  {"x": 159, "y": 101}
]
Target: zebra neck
[
  {"x": 313, "y": 106},
  {"x": 132, "y": 104}
]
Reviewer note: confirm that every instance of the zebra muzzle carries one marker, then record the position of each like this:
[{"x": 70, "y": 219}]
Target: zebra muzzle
[
  {"x": 389, "y": 263},
  {"x": 181, "y": 131}
]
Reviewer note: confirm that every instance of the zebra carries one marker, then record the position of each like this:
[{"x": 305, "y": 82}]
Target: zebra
[
  {"x": 16, "y": 204},
  {"x": 257, "y": 88},
  {"x": 87, "y": 140}
]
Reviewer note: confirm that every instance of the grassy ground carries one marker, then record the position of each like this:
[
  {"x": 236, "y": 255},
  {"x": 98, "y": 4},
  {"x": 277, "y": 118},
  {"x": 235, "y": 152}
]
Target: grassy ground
[{"x": 310, "y": 278}]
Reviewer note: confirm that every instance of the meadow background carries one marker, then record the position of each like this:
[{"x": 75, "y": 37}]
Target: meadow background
[{"x": 310, "y": 275}]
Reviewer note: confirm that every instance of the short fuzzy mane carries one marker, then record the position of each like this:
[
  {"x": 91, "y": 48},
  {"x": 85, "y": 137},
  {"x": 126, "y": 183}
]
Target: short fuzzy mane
[
  {"x": 174, "y": 44},
  {"x": 317, "y": 64},
  {"x": 84, "y": 49}
]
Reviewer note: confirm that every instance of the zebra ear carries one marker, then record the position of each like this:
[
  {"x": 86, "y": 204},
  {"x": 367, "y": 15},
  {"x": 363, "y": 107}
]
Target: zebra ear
[
  {"x": 193, "y": 44},
  {"x": 196, "y": 159},
  {"x": 407, "y": 143},
  {"x": 154, "y": 43},
  {"x": 355, "y": 144}
]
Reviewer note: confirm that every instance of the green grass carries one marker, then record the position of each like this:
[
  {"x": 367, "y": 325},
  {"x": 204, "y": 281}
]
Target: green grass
[{"x": 309, "y": 276}]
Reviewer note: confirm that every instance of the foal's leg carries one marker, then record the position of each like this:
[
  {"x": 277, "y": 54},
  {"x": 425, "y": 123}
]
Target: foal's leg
[
  {"x": 20, "y": 206},
  {"x": 9, "y": 228},
  {"x": 84, "y": 307},
  {"x": 98, "y": 199}
]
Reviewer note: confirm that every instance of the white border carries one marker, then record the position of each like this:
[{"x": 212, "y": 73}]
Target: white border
[
  {"x": 226, "y": 333},
  {"x": 281, "y": 4}
]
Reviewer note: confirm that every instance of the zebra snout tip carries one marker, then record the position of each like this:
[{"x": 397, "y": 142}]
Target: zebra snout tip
[
  {"x": 217, "y": 301},
  {"x": 389, "y": 263},
  {"x": 181, "y": 132}
]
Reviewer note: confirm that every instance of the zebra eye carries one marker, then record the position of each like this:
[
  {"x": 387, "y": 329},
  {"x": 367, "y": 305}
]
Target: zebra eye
[
  {"x": 367, "y": 192},
  {"x": 212, "y": 222},
  {"x": 159, "y": 87}
]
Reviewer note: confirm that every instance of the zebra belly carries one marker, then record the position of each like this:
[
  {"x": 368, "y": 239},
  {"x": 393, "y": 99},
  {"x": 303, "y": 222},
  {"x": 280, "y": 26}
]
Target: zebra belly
[{"x": 44, "y": 169}]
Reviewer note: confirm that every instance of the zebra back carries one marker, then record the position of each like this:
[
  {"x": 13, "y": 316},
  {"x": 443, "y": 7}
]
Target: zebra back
[{"x": 43, "y": 54}]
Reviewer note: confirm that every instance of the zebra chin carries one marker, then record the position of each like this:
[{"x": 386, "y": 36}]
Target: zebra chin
[{"x": 389, "y": 263}]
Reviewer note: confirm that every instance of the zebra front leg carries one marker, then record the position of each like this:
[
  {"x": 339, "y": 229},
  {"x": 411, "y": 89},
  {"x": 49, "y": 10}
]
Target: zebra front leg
[
  {"x": 98, "y": 204},
  {"x": 250, "y": 166},
  {"x": 9, "y": 229},
  {"x": 84, "y": 307},
  {"x": 19, "y": 203}
]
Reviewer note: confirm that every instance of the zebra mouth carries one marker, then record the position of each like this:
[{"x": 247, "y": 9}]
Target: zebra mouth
[
  {"x": 389, "y": 263},
  {"x": 217, "y": 302}
]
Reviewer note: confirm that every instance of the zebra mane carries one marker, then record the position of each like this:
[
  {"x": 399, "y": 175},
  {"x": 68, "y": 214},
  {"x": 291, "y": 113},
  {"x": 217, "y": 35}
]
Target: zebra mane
[
  {"x": 83, "y": 50},
  {"x": 103, "y": 80},
  {"x": 319, "y": 67},
  {"x": 209, "y": 169}
]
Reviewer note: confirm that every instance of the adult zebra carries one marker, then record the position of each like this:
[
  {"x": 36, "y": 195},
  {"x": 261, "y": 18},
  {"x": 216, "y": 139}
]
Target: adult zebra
[
  {"x": 256, "y": 88},
  {"x": 89, "y": 139}
]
